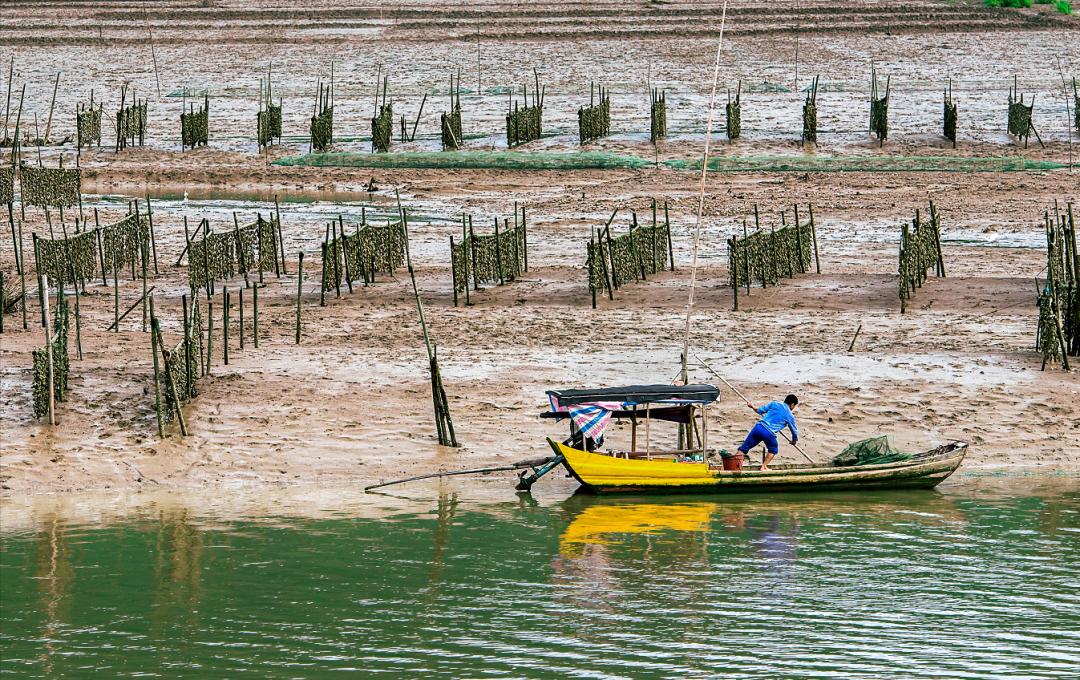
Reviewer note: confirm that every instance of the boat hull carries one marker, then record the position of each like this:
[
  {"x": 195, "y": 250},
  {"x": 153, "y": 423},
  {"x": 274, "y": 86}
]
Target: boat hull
[{"x": 604, "y": 474}]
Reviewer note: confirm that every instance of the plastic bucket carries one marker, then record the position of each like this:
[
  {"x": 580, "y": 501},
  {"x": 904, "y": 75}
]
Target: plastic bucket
[{"x": 732, "y": 461}]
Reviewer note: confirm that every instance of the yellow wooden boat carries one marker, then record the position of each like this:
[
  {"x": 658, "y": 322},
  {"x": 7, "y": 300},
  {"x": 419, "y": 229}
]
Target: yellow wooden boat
[
  {"x": 602, "y": 473},
  {"x": 692, "y": 467}
]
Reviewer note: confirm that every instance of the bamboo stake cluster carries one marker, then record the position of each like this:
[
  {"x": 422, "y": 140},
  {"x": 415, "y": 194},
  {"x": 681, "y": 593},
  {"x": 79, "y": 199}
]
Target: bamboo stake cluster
[
  {"x": 321, "y": 130},
  {"x": 50, "y": 187},
  {"x": 88, "y": 123},
  {"x": 57, "y": 374},
  {"x": 268, "y": 118},
  {"x": 444, "y": 423},
  {"x": 525, "y": 124},
  {"x": 612, "y": 262},
  {"x": 879, "y": 107},
  {"x": 1021, "y": 115},
  {"x": 450, "y": 123},
  {"x": 920, "y": 249},
  {"x": 770, "y": 256},
  {"x": 1076, "y": 106},
  {"x": 371, "y": 249},
  {"x": 733, "y": 113},
  {"x": 809, "y": 114},
  {"x": 950, "y": 116},
  {"x": 657, "y": 115},
  {"x": 496, "y": 258},
  {"x": 1058, "y": 333},
  {"x": 382, "y": 123},
  {"x": 195, "y": 126},
  {"x": 594, "y": 121},
  {"x": 184, "y": 363},
  {"x": 130, "y": 121}
]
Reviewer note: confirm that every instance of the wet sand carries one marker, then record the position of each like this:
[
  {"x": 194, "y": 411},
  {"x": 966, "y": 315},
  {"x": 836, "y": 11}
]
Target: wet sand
[{"x": 351, "y": 404}]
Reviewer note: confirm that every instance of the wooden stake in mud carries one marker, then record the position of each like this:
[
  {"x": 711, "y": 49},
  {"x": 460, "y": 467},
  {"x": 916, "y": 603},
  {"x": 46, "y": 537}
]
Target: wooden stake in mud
[
  {"x": 48, "y": 346},
  {"x": 78, "y": 324},
  {"x": 189, "y": 369},
  {"x": 144, "y": 258},
  {"x": 813, "y": 235},
  {"x": 322, "y": 286},
  {"x": 241, "y": 319},
  {"x": 209, "y": 333},
  {"x": 299, "y": 291},
  {"x": 344, "y": 253},
  {"x": 281, "y": 241},
  {"x": 157, "y": 372},
  {"x": 116, "y": 292},
  {"x": 851, "y": 347},
  {"x": 22, "y": 277},
  {"x": 225, "y": 324},
  {"x": 153, "y": 239},
  {"x": 734, "y": 245},
  {"x": 255, "y": 316}
]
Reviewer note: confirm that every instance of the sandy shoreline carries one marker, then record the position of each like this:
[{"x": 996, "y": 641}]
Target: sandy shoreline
[{"x": 351, "y": 404}]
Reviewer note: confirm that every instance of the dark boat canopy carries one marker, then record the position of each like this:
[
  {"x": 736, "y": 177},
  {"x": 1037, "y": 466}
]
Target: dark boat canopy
[{"x": 637, "y": 394}]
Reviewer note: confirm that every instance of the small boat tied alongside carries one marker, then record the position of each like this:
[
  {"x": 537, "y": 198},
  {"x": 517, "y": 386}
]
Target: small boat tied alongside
[{"x": 694, "y": 467}]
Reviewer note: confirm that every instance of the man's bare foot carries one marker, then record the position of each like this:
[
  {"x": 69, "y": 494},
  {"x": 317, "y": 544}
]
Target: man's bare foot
[{"x": 764, "y": 469}]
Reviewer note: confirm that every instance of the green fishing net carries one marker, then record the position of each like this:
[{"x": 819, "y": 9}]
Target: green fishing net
[{"x": 872, "y": 451}]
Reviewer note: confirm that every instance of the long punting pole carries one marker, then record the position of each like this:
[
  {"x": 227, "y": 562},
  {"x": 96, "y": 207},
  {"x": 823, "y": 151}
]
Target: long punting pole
[{"x": 701, "y": 197}]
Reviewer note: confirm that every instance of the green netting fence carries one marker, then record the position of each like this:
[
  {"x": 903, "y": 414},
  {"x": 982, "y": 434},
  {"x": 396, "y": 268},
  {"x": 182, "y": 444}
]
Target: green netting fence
[
  {"x": 606, "y": 160},
  {"x": 872, "y": 451},
  {"x": 612, "y": 262},
  {"x": 475, "y": 160}
]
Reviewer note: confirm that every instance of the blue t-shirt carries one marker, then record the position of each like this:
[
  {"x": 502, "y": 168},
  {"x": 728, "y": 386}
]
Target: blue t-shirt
[{"x": 776, "y": 416}]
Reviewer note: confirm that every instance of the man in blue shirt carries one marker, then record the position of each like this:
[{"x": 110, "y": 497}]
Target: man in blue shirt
[{"x": 775, "y": 416}]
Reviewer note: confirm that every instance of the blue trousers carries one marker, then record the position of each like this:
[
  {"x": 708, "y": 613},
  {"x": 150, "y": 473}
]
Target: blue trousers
[{"x": 759, "y": 434}]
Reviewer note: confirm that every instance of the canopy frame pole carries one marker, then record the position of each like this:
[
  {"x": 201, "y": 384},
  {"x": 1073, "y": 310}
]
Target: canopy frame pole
[{"x": 648, "y": 421}]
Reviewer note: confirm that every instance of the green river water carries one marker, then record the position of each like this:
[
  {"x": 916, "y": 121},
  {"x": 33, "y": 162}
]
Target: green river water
[{"x": 979, "y": 579}]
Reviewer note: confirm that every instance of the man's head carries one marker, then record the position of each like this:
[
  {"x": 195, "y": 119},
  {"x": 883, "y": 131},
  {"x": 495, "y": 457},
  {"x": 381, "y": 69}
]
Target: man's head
[{"x": 792, "y": 401}]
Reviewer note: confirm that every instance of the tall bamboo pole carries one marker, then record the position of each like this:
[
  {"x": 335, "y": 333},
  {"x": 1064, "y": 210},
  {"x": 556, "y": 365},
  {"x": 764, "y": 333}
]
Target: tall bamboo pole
[{"x": 701, "y": 198}]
